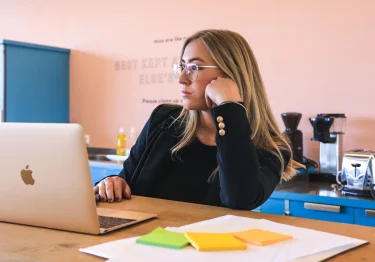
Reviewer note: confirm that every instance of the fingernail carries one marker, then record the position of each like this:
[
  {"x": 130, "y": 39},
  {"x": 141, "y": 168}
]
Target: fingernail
[
  {"x": 109, "y": 199},
  {"x": 103, "y": 199},
  {"x": 117, "y": 199}
]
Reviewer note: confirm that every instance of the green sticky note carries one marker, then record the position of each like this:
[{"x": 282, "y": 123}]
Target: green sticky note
[{"x": 164, "y": 238}]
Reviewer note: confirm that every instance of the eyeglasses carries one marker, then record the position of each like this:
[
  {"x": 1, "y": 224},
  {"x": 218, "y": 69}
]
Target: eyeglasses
[{"x": 191, "y": 70}]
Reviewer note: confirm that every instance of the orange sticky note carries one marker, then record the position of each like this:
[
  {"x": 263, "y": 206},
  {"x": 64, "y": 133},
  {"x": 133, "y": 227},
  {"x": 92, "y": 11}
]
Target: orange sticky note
[
  {"x": 261, "y": 237},
  {"x": 214, "y": 241}
]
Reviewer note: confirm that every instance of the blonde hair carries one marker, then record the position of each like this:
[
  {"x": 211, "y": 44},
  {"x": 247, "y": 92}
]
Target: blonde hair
[{"x": 234, "y": 57}]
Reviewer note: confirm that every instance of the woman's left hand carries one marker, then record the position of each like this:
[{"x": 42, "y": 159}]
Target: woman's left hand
[{"x": 221, "y": 89}]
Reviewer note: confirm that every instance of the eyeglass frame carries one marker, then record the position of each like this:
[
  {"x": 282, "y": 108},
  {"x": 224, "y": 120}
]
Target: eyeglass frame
[{"x": 188, "y": 72}]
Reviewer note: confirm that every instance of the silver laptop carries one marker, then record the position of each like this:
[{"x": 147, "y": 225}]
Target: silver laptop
[{"x": 46, "y": 181}]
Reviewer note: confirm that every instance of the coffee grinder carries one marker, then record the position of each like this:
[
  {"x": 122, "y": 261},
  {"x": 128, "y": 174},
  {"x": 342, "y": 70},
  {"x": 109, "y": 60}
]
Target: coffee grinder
[
  {"x": 329, "y": 130},
  {"x": 291, "y": 121}
]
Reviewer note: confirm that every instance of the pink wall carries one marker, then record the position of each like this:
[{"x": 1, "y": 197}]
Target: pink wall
[{"x": 315, "y": 56}]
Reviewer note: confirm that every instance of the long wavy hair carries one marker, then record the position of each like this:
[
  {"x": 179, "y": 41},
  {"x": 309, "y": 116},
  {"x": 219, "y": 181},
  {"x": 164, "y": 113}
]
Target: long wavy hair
[{"x": 234, "y": 57}]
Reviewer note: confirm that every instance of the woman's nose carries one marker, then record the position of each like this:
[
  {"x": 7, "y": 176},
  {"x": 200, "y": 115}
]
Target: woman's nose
[{"x": 183, "y": 78}]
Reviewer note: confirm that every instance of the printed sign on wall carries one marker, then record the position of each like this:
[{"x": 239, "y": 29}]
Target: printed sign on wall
[{"x": 153, "y": 76}]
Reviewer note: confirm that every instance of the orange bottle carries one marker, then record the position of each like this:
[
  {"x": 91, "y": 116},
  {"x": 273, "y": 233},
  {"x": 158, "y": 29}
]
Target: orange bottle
[{"x": 121, "y": 143}]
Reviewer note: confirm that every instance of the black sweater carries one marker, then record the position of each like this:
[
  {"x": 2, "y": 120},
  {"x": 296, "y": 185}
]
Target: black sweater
[
  {"x": 186, "y": 178},
  {"x": 247, "y": 176}
]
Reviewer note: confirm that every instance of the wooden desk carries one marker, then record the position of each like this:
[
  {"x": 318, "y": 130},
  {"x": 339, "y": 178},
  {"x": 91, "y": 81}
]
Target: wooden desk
[{"x": 25, "y": 243}]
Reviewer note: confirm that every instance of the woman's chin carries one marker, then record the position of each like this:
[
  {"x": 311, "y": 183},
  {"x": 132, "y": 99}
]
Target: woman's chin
[
  {"x": 193, "y": 106},
  {"x": 186, "y": 103}
]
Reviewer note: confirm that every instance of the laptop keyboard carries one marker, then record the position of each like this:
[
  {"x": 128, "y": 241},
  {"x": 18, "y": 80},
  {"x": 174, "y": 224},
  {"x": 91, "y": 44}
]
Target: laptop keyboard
[{"x": 108, "y": 222}]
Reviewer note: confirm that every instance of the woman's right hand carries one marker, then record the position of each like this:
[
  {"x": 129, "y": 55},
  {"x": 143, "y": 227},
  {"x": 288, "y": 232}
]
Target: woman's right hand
[{"x": 112, "y": 189}]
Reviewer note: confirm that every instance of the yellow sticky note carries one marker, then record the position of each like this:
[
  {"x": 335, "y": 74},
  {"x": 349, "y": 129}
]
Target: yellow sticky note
[
  {"x": 261, "y": 237},
  {"x": 214, "y": 241}
]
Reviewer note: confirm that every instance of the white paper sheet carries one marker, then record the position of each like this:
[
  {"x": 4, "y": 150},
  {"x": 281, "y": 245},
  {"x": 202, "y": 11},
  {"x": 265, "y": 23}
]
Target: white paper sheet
[
  {"x": 109, "y": 249},
  {"x": 307, "y": 245}
]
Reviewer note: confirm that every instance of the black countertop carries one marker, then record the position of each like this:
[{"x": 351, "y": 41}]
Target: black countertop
[{"x": 301, "y": 184}]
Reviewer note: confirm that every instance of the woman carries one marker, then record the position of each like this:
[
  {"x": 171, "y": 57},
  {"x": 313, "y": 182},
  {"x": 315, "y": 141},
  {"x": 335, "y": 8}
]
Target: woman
[{"x": 223, "y": 147}]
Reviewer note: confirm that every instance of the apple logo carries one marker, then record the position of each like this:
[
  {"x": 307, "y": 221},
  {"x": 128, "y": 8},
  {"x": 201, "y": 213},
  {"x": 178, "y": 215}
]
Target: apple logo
[{"x": 27, "y": 176}]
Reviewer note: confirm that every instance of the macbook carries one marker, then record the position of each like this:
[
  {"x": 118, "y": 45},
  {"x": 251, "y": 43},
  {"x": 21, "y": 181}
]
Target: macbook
[{"x": 46, "y": 181}]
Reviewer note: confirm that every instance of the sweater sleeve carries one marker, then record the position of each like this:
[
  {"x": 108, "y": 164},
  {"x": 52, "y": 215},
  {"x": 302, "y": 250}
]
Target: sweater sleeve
[
  {"x": 152, "y": 126},
  {"x": 158, "y": 117},
  {"x": 247, "y": 176}
]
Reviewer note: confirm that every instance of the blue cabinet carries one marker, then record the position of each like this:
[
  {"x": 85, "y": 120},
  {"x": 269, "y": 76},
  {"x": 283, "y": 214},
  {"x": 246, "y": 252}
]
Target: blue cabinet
[
  {"x": 364, "y": 217},
  {"x": 320, "y": 211},
  {"x": 273, "y": 206},
  {"x": 34, "y": 83},
  {"x": 336, "y": 209}
]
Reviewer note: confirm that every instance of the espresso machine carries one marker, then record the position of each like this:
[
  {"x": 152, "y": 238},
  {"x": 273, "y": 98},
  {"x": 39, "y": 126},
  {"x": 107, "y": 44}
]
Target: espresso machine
[
  {"x": 329, "y": 130},
  {"x": 291, "y": 121}
]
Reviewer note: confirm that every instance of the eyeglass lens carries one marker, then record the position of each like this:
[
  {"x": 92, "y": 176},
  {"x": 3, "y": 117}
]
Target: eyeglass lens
[{"x": 191, "y": 71}]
